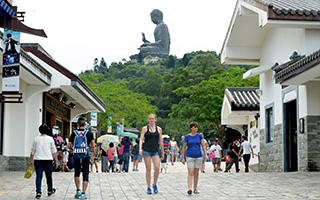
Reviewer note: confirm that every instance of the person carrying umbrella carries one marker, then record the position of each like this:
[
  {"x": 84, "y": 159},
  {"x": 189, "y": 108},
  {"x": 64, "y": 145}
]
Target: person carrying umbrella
[{"x": 151, "y": 137}]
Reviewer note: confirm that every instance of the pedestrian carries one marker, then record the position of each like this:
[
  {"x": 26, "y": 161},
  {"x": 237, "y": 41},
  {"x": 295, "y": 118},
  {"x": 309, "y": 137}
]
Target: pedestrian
[
  {"x": 216, "y": 150},
  {"x": 96, "y": 158},
  {"x": 65, "y": 159},
  {"x": 227, "y": 159},
  {"x": 110, "y": 152},
  {"x": 42, "y": 150},
  {"x": 104, "y": 160},
  {"x": 192, "y": 143},
  {"x": 166, "y": 145},
  {"x": 234, "y": 156},
  {"x": 203, "y": 166},
  {"x": 126, "y": 153},
  {"x": 120, "y": 157},
  {"x": 164, "y": 164},
  {"x": 151, "y": 137},
  {"x": 115, "y": 156},
  {"x": 136, "y": 156},
  {"x": 246, "y": 146},
  {"x": 180, "y": 147},
  {"x": 173, "y": 150},
  {"x": 91, "y": 159},
  {"x": 82, "y": 141}
]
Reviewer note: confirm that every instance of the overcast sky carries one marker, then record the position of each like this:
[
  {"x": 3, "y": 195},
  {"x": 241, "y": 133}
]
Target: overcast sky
[{"x": 79, "y": 31}]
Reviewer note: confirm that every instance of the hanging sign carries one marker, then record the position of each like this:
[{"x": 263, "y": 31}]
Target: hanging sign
[{"x": 11, "y": 61}]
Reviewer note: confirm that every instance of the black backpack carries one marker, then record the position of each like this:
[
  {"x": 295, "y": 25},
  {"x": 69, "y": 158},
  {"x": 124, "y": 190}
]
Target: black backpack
[{"x": 135, "y": 150}]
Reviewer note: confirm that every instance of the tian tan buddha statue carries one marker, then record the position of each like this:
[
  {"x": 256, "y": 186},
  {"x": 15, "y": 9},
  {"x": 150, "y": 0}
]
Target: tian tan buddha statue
[{"x": 161, "y": 47}]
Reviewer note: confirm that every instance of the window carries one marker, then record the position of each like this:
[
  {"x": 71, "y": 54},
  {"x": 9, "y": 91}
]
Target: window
[{"x": 269, "y": 124}]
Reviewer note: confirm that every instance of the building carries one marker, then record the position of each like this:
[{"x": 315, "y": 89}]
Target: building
[
  {"x": 283, "y": 38},
  {"x": 240, "y": 112},
  {"x": 48, "y": 93}
]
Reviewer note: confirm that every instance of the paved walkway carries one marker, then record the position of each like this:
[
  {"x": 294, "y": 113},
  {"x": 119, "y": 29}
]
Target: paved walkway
[{"x": 172, "y": 185}]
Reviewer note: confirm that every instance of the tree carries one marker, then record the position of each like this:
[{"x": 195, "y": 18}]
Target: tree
[
  {"x": 121, "y": 103},
  {"x": 203, "y": 102}
]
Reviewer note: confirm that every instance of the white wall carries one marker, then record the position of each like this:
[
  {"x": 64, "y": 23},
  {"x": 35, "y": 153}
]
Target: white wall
[
  {"x": 254, "y": 138},
  {"x": 33, "y": 116},
  {"x": 313, "y": 98},
  {"x": 14, "y": 126},
  {"x": 278, "y": 46},
  {"x": 312, "y": 38}
]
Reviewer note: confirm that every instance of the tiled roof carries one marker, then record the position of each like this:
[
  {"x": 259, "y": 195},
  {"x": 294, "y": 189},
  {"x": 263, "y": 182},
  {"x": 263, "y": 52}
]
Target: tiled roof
[
  {"x": 297, "y": 67},
  {"x": 243, "y": 98},
  {"x": 291, "y": 9}
]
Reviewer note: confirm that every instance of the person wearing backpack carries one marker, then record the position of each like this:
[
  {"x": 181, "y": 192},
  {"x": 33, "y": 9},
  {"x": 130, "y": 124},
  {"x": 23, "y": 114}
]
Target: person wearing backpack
[
  {"x": 136, "y": 156},
  {"x": 193, "y": 141},
  {"x": 82, "y": 141}
]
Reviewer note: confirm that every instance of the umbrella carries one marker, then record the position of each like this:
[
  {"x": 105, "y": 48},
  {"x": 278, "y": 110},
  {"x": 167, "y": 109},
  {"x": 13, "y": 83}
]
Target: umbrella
[
  {"x": 107, "y": 139},
  {"x": 165, "y": 136},
  {"x": 128, "y": 134},
  {"x": 101, "y": 138}
]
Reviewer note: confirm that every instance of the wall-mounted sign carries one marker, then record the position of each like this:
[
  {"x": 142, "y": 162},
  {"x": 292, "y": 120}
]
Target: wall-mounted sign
[
  {"x": 301, "y": 125},
  {"x": 11, "y": 61}
]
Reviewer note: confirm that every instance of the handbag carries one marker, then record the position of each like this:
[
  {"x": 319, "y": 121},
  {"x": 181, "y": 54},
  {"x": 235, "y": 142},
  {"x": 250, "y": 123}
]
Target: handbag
[
  {"x": 29, "y": 172},
  {"x": 211, "y": 155},
  {"x": 121, "y": 150}
]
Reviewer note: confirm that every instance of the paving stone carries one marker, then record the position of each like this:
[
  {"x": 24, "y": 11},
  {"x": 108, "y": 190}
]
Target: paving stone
[{"x": 171, "y": 185}]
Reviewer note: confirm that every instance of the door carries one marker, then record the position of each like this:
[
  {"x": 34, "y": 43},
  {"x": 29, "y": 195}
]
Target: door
[{"x": 291, "y": 139}]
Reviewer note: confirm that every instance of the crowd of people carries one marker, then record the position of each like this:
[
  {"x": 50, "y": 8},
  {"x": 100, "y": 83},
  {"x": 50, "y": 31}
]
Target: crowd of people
[{"x": 80, "y": 154}]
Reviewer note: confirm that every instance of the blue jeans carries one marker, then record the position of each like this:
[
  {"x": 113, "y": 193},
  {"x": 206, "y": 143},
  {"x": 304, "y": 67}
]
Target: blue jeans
[
  {"x": 46, "y": 166},
  {"x": 126, "y": 159}
]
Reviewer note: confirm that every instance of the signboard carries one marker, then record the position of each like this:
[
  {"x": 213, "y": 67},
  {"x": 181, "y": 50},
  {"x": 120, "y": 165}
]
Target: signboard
[
  {"x": 109, "y": 130},
  {"x": 11, "y": 61},
  {"x": 94, "y": 119}
]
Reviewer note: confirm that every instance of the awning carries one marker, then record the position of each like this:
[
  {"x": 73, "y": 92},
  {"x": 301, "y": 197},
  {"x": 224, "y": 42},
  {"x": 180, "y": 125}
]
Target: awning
[{"x": 5, "y": 10}]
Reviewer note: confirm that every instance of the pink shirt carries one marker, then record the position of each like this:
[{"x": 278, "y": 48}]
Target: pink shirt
[{"x": 110, "y": 153}]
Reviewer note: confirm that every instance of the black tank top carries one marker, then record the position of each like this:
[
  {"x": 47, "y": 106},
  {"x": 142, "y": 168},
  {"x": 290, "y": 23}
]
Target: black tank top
[{"x": 151, "y": 141}]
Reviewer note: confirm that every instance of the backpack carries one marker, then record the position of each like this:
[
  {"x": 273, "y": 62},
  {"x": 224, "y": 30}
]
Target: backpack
[
  {"x": 135, "y": 150},
  {"x": 58, "y": 142},
  {"x": 81, "y": 148}
]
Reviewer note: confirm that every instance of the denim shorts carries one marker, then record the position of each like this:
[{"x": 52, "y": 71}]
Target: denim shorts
[
  {"x": 136, "y": 157},
  {"x": 149, "y": 154}
]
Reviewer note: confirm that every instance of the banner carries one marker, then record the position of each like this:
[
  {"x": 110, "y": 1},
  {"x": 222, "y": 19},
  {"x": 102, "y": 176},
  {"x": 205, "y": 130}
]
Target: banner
[
  {"x": 11, "y": 61},
  {"x": 94, "y": 119},
  {"x": 109, "y": 130}
]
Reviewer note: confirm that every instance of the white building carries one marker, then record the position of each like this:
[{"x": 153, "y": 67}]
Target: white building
[
  {"x": 283, "y": 38},
  {"x": 50, "y": 94},
  {"x": 240, "y": 111}
]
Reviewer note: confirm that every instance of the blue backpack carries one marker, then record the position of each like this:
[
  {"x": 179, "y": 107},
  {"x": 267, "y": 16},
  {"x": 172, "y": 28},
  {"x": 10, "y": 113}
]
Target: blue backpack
[{"x": 81, "y": 148}]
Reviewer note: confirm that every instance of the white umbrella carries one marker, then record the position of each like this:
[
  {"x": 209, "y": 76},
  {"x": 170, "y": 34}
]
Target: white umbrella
[{"x": 165, "y": 136}]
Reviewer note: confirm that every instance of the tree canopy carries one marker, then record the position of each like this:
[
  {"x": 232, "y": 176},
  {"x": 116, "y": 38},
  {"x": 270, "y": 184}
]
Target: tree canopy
[{"x": 178, "y": 90}]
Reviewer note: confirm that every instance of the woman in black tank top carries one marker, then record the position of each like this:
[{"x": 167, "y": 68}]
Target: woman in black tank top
[{"x": 149, "y": 144}]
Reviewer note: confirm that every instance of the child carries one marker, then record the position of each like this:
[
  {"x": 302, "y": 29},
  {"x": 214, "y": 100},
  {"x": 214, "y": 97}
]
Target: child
[
  {"x": 110, "y": 152},
  {"x": 65, "y": 160},
  {"x": 227, "y": 159},
  {"x": 164, "y": 163}
]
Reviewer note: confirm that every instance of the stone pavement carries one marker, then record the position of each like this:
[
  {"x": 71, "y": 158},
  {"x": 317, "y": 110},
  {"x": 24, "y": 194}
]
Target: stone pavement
[{"x": 172, "y": 185}]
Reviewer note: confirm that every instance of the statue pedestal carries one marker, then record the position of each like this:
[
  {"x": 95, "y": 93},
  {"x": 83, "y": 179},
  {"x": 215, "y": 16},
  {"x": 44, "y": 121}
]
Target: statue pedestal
[{"x": 141, "y": 56}]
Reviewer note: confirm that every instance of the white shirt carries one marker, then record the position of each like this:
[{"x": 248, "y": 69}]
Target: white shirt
[
  {"x": 65, "y": 156},
  {"x": 216, "y": 149},
  {"x": 246, "y": 147},
  {"x": 43, "y": 147},
  {"x": 173, "y": 144}
]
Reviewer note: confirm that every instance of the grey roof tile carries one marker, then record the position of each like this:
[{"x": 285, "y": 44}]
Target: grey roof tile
[
  {"x": 243, "y": 98},
  {"x": 299, "y": 66},
  {"x": 293, "y": 7}
]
